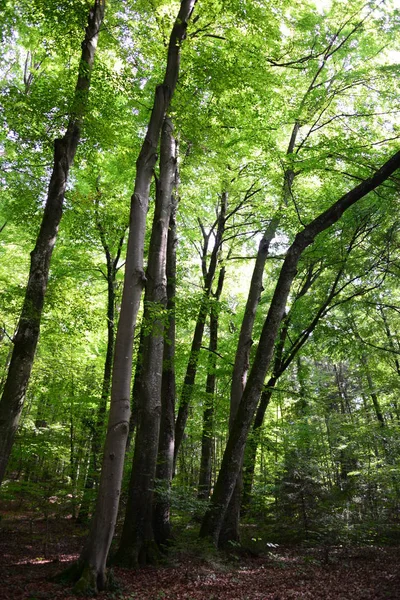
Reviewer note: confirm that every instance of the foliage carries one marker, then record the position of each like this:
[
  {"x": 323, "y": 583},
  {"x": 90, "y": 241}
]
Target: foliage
[{"x": 254, "y": 77}]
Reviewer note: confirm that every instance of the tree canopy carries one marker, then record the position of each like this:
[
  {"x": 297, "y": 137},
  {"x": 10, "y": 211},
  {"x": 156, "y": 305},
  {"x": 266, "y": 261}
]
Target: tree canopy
[{"x": 233, "y": 199}]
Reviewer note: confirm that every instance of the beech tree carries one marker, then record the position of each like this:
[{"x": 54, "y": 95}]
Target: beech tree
[
  {"x": 90, "y": 571},
  {"x": 137, "y": 536},
  {"x": 279, "y": 111},
  {"x": 27, "y": 335},
  {"x": 233, "y": 455}
]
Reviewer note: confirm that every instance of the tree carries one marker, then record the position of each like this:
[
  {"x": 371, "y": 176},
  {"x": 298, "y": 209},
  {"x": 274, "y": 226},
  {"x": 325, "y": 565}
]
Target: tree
[
  {"x": 90, "y": 570},
  {"x": 137, "y": 540},
  {"x": 27, "y": 335},
  {"x": 212, "y": 523}
]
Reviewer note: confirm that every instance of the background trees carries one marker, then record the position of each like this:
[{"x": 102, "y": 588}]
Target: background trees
[{"x": 279, "y": 112}]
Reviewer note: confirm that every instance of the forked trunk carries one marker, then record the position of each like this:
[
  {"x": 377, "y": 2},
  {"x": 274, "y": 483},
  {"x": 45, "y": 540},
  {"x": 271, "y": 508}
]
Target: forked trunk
[
  {"x": 230, "y": 528},
  {"x": 92, "y": 563},
  {"x": 98, "y": 432},
  {"x": 137, "y": 544},
  {"x": 191, "y": 370}
]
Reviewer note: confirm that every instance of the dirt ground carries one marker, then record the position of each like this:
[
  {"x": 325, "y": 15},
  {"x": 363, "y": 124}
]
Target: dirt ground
[{"x": 32, "y": 551}]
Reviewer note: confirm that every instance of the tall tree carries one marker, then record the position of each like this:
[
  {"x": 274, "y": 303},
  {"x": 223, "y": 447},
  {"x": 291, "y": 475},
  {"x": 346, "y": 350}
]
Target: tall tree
[
  {"x": 110, "y": 275},
  {"x": 208, "y": 272},
  {"x": 90, "y": 570},
  {"x": 165, "y": 460},
  {"x": 233, "y": 455},
  {"x": 137, "y": 540},
  {"x": 208, "y": 411},
  {"x": 28, "y": 330}
]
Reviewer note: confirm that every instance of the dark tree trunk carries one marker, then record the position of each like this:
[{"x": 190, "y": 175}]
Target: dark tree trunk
[
  {"x": 284, "y": 359},
  {"x": 242, "y": 357},
  {"x": 204, "y": 489},
  {"x": 393, "y": 347},
  {"x": 372, "y": 392},
  {"x": 230, "y": 528},
  {"x": 27, "y": 335},
  {"x": 165, "y": 460},
  {"x": 91, "y": 566},
  {"x": 233, "y": 454},
  {"x": 137, "y": 540},
  {"x": 191, "y": 370},
  {"x": 136, "y": 387}
]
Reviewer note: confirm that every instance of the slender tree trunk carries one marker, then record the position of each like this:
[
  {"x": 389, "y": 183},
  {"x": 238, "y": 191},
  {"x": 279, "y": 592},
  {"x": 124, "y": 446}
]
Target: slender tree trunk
[
  {"x": 165, "y": 460},
  {"x": 233, "y": 454},
  {"x": 230, "y": 528},
  {"x": 204, "y": 489},
  {"x": 137, "y": 540},
  {"x": 98, "y": 430},
  {"x": 136, "y": 387},
  {"x": 242, "y": 357},
  {"x": 191, "y": 370},
  {"x": 27, "y": 335},
  {"x": 372, "y": 392},
  {"x": 281, "y": 363},
  {"x": 395, "y": 351},
  {"x": 91, "y": 566}
]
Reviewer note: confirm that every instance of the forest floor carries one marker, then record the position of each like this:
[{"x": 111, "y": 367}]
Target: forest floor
[{"x": 32, "y": 551}]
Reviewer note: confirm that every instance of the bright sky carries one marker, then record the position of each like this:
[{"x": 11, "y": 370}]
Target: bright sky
[{"x": 324, "y": 5}]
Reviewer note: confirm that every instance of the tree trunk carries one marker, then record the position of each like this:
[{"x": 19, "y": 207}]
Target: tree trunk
[
  {"x": 233, "y": 454},
  {"x": 91, "y": 566},
  {"x": 165, "y": 460},
  {"x": 191, "y": 370},
  {"x": 242, "y": 357},
  {"x": 27, "y": 335},
  {"x": 98, "y": 429},
  {"x": 372, "y": 392},
  {"x": 208, "y": 414},
  {"x": 395, "y": 351},
  {"x": 230, "y": 528},
  {"x": 283, "y": 360},
  {"x": 137, "y": 540},
  {"x": 136, "y": 387}
]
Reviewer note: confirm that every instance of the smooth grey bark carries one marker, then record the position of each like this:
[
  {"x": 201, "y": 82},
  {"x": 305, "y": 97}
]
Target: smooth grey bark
[
  {"x": 91, "y": 566},
  {"x": 208, "y": 276},
  {"x": 136, "y": 388},
  {"x": 204, "y": 488},
  {"x": 137, "y": 539},
  {"x": 28, "y": 330},
  {"x": 233, "y": 455},
  {"x": 165, "y": 460}
]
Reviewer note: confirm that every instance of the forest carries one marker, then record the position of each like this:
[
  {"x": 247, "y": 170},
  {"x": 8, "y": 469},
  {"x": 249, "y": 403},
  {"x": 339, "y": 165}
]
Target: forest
[{"x": 199, "y": 300}]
